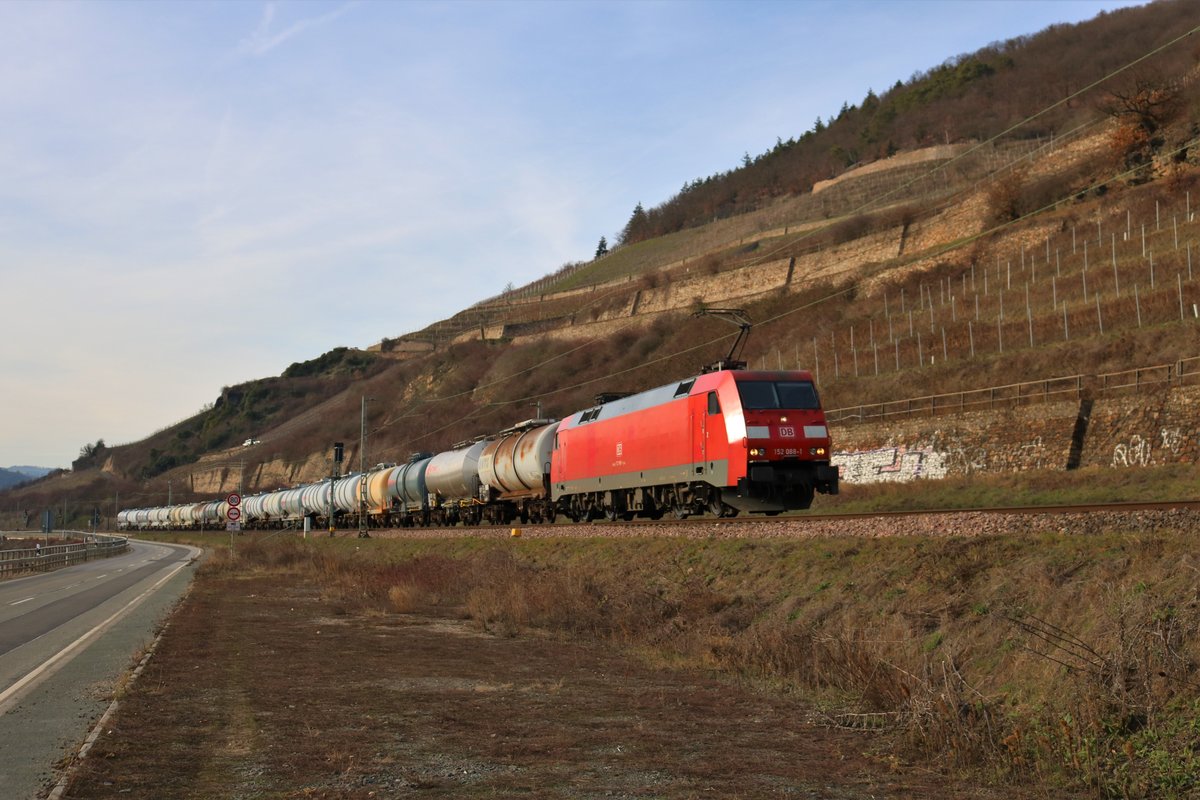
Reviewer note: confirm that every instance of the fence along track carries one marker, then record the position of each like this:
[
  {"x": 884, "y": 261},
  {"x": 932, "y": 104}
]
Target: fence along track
[
  {"x": 1185, "y": 372},
  {"x": 55, "y": 556}
]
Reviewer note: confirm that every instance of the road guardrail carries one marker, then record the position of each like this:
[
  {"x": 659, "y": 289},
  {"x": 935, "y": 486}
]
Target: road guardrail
[{"x": 47, "y": 557}]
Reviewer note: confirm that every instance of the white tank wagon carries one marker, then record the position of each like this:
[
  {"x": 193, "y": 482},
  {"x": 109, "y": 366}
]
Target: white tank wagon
[
  {"x": 197, "y": 514},
  {"x": 379, "y": 501},
  {"x": 272, "y": 507},
  {"x": 516, "y": 471},
  {"x": 452, "y": 479},
  {"x": 252, "y": 509},
  {"x": 315, "y": 499},
  {"x": 290, "y": 503},
  {"x": 406, "y": 484},
  {"x": 346, "y": 494}
]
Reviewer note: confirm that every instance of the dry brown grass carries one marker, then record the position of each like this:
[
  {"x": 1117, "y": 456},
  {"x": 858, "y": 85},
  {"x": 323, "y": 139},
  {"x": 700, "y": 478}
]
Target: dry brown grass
[
  {"x": 1052, "y": 659},
  {"x": 1019, "y": 660}
]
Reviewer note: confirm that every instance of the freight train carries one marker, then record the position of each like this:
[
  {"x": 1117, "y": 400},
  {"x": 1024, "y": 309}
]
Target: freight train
[{"x": 720, "y": 443}]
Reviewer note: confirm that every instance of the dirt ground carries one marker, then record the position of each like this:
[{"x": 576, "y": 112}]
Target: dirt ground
[{"x": 261, "y": 689}]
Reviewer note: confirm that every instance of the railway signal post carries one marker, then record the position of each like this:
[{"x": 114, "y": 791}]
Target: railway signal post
[{"x": 333, "y": 476}]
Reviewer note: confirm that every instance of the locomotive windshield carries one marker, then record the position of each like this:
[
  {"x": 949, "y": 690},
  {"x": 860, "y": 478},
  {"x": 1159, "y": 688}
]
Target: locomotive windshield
[{"x": 760, "y": 395}]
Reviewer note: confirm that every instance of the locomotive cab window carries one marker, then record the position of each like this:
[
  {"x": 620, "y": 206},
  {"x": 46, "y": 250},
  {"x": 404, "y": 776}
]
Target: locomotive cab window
[
  {"x": 714, "y": 405},
  {"x": 762, "y": 395}
]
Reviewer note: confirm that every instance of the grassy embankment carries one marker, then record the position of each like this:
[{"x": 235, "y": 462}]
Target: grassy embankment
[
  {"x": 1031, "y": 488},
  {"x": 1057, "y": 660}
]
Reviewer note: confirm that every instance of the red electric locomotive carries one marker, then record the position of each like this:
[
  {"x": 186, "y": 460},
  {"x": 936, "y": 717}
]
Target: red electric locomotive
[{"x": 722, "y": 442}]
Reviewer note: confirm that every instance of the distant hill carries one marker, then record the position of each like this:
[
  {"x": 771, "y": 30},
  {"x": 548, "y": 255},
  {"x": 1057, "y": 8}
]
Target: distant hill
[
  {"x": 9, "y": 478},
  {"x": 32, "y": 472},
  {"x": 13, "y": 476}
]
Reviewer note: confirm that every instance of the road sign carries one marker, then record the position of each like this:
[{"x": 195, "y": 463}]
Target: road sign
[
  {"x": 233, "y": 514},
  {"x": 233, "y": 526},
  {"x": 234, "y": 499}
]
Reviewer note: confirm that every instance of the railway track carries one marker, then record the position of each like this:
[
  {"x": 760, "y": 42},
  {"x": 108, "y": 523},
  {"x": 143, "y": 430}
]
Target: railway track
[{"x": 1089, "y": 517}]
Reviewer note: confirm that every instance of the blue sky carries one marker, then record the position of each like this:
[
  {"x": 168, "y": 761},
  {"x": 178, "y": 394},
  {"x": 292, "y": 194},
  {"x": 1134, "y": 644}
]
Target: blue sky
[{"x": 196, "y": 194}]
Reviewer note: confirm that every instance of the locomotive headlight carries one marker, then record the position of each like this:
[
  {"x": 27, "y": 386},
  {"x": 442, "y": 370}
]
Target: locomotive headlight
[
  {"x": 783, "y": 419},
  {"x": 816, "y": 451},
  {"x": 756, "y": 451}
]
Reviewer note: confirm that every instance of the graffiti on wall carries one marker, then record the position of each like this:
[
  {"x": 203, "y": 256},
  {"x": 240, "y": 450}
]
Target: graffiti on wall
[
  {"x": 1138, "y": 451},
  {"x": 1033, "y": 454},
  {"x": 1172, "y": 439},
  {"x": 890, "y": 464}
]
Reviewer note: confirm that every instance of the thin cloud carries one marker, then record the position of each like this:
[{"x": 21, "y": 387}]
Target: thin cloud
[{"x": 263, "y": 41}]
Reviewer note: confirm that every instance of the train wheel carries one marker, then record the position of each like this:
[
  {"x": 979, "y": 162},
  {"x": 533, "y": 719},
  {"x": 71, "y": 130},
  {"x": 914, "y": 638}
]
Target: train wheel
[{"x": 680, "y": 511}]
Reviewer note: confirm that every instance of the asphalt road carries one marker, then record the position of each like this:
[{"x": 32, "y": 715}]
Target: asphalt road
[{"x": 66, "y": 639}]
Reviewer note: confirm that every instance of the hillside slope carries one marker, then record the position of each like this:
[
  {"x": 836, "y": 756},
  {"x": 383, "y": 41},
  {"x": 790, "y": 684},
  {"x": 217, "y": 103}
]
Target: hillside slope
[{"x": 1063, "y": 246}]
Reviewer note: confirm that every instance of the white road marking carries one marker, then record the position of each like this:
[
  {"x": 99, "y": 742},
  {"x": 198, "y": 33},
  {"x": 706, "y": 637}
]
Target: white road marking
[
  {"x": 11, "y": 695},
  {"x": 26, "y": 600}
]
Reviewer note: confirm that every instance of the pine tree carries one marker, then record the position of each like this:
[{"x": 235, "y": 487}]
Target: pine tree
[
  {"x": 635, "y": 228},
  {"x": 602, "y": 248}
]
